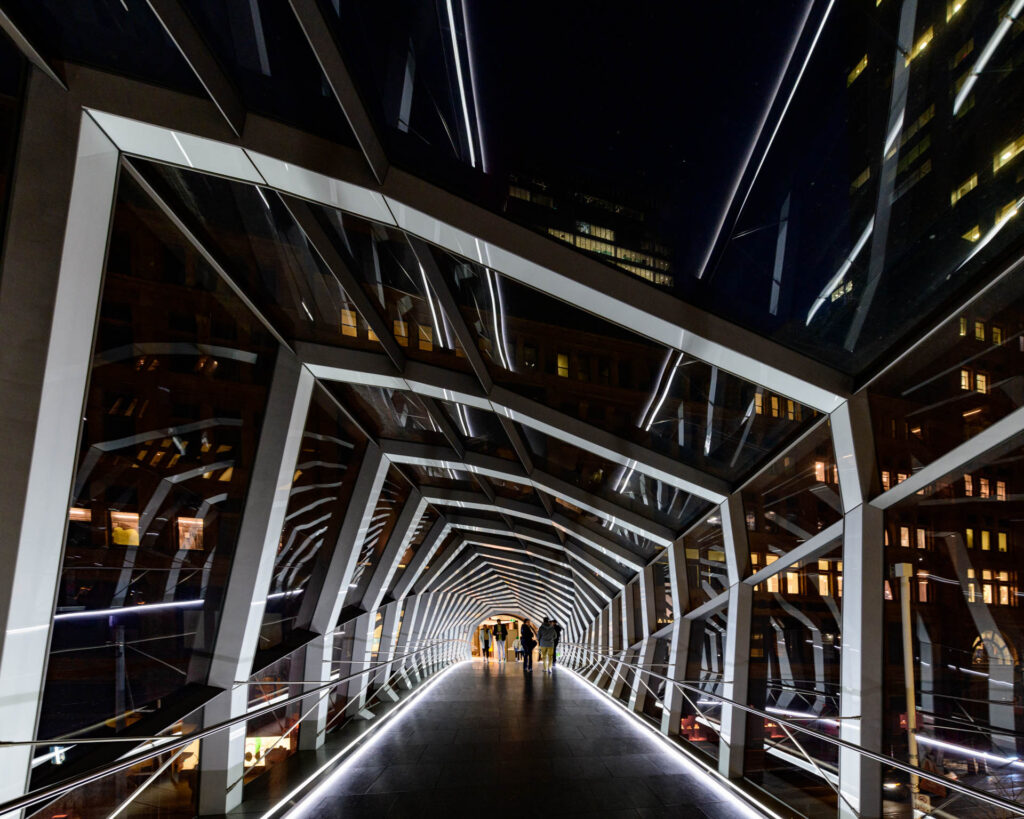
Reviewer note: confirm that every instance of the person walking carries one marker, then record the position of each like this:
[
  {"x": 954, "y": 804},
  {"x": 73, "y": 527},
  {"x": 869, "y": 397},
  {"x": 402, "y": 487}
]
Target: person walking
[
  {"x": 517, "y": 648},
  {"x": 546, "y": 636},
  {"x": 558, "y": 639},
  {"x": 485, "y": 643},
  {"x": 528, "y": 636},
  {"x": 500, "y": 632}
]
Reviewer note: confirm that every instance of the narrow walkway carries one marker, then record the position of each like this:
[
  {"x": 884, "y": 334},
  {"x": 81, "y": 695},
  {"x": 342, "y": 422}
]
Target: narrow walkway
[{"x": 488, "y": 740}]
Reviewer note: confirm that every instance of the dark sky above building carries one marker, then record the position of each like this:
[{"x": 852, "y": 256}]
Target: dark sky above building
[{"x": 653, "y": 97}]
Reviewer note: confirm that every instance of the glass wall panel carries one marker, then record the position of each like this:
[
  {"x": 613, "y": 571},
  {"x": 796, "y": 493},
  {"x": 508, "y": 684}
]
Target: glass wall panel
[
  {"x": 383, "y": 262},
  {"x": 795, "y": 647},
  {"x": 423, "y": 527},
  {"x": 793, "y": 499},
  {"x": 619, "y": 484},
  {"x": 388, "y": 413},
  {"x": 177, "y": 390},
  {"x": 964, "y": 377},
  {"x": 13, "y": 74},
  {"x": 325, "y": 473},
  {"x": 393, "y": 495},
  {"x": 890, "y": 188},
  {"x": 121, "y": 36},
  {"x": 481, "y": 431},
  {"x": 705, "y": 670},
  {"x": 706, "y": 570},
  {"x": 273, "y": 737},
  {"x": 254, "y": 237},
  {"x": 663, "y": 610},
  {"x": 597, "y": 372},
  {"x": 655, "y": 691},
  {"x": 264, "y": 51},
  {"x": 963, "y": 553}
]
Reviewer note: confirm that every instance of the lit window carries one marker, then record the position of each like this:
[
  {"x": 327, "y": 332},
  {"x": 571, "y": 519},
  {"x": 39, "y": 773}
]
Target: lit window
[
  {"x": 920, "y": 45},
  {"x": 986, "y": 593},
  {"x": 981, "y": 383},
  {"x": 921, "y": 539},
  {"x": 905, "y": 537},
  {"x": 973, "y": 234},
  {"x": 758, "y": 402},
  {"x": 372, "y": 335},
  {"x": 401, "y": 332},
  {"x": 997, "y": 335},
  {"x": 773, "y": 581},
  {"x": 565, "y": 236},
  {"x": 963, "y": 326},
  {"x": 775, "y": 406},
  {"x": 901, "y": 477},
  {"x": 1004, "y": 595},
  {"x": 983, "y": 488},
  {"x": 968, "y": 185},
  {"x": 518, "y": 193},
  {"x": 968, "y": 486},
  {"x": 426, "y": 338},
  {"x": 1001, "y": 490},
  {"x": 986, "y": 540},
  {"x": 790, "y": 410},
  {"x": 965, "y": 379},
  {"x": 1007, "y": 153},
  {"x": 823, "y": 578},
  {"x": 348, "y": 322},
  {"x": 863, "y": 177},
  {"x": 792, "y": 583},
  {"x": 563, "y": 365},
  {"x": 819, "y": 471},
  {"x": 953, "y": 7},
  {"x": 979, "y": 331},
  {"x": 886, "y": 480},
  {"x": 970, "y": 538},
  {"x": 922, "y": 588},
  {"x": 1006, "y": 212},
  {"x": 1002, "y": 540},
  {"x": 857, "y": 70}
]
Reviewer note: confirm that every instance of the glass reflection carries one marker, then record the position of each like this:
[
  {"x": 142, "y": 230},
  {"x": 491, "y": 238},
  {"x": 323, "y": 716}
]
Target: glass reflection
[
  {"x": 481, "y": 431},
  {"x": 384, "y": 263},
  {"x": 423, "y": 527},
  {"x": 964, "y": 378},
  {"x": 388, "y": 413},
  {"x": 177, "y": 390},
  {"x": 322, "y": 482},
  {"x": 618, "y": 381},
  {"x": 793, "y": 499},
  {"x": 260, "y": 245},
  {"x": 963, "y": 590},
  {"x": 393, "y": 495},
  {"x": 706, "y": 570},
  {"x": 705, "y": 670}
]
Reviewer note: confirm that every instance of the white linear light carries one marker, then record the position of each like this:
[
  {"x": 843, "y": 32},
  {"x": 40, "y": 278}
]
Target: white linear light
[
  {"x": 1015, "y": 761},
  {"x": 69, "y": 615},
  {"x": 986, "y": 53},
  {"x": 472, "y": 84},
  {"x": 388, "y": 719},
  {"x": 833, "y": 283},
  {"x": 462, "y": 89},
  {"x": 727, "y": 788},
  {"x": 664, "y": 394},
  {"x": 430, "y": 301}
]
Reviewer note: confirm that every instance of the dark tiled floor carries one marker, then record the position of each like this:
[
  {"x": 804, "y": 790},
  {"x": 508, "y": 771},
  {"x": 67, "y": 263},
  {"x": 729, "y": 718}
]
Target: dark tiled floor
[{"x": 488, "y": 740}]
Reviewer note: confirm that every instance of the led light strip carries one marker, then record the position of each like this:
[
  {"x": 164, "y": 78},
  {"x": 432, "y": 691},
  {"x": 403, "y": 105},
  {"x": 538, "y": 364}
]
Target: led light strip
[
  {"x": 367, "y": 739},
  {"x": 727, "y": 787}
]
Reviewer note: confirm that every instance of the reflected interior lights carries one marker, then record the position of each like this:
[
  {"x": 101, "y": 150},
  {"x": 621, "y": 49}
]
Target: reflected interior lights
[
  {"x": 462, "y": 85},
  {"x": 374, "y": 734},
  {"x": 972, "y": 752},
  {"x": 833, "y": 283},
  {"x": 719, "y": 782},
  {"x": 986, "y": 53},
  {"x": 181, "y": 604}
]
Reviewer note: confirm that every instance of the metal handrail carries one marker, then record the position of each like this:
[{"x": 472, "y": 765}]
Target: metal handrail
[
  {"x": 51, "y": 791},
  {"x": 953, "y": 785}
]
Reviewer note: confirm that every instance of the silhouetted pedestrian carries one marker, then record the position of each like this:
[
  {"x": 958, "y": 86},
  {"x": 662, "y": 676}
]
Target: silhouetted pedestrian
[
  {"x": 558, "y": 639},
  {"x": 528, "y": 637},
  {"x": 485, "y": 642},
  {"x": 546, "y": 637}
]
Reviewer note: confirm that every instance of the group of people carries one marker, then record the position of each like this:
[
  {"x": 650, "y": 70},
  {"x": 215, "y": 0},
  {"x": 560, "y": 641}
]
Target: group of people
[{"x": 530, "y": 637}]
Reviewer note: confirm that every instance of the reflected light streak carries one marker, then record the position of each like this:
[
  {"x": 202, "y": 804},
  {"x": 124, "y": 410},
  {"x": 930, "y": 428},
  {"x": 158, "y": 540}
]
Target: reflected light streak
[
  {"x": 998, "y": 226},
  {"x": 841, "y": 272},
  {"x": 986, "y": 53},
  {"x": 971, "y": 752},
  {"x": 181, "y": 604},
  {"x": 664, "y": 394},
  {"x": 430, "y": 301},
  {"x": 462, "y": 84}
]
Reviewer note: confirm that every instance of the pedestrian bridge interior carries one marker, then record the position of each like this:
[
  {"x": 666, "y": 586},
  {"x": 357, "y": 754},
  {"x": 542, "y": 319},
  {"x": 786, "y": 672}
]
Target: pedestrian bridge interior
[{"x": 300, "y": 392}]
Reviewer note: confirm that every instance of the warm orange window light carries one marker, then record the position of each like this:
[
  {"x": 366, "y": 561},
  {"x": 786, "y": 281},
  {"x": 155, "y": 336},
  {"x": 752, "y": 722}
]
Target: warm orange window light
[
  {"x": 79, "y": 514},
  {"x": 190, "y": 533},
  {"x": 124, "y": 528}
]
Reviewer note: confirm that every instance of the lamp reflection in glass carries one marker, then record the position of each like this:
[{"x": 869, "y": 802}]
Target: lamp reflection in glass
[
  {"x": 190, "y": 534},
  {"x": 124, "y": 528}
]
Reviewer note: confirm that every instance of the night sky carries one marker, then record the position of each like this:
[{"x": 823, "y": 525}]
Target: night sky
[{"x": 657, "y": 97}]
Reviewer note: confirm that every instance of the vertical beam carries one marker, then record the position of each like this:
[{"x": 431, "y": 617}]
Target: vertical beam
[
  {"x": 222, "y": 755},
  {"x": 628, "y": 633},
  {"x": 732, "y": 741},
  {"x": 53, "y": 260},
  {"x": 386, "y": 652},
  {"x": 861, "y": 702},
  {"x": 641, "y": 681},
  {"x": 680, "y": 647}
]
